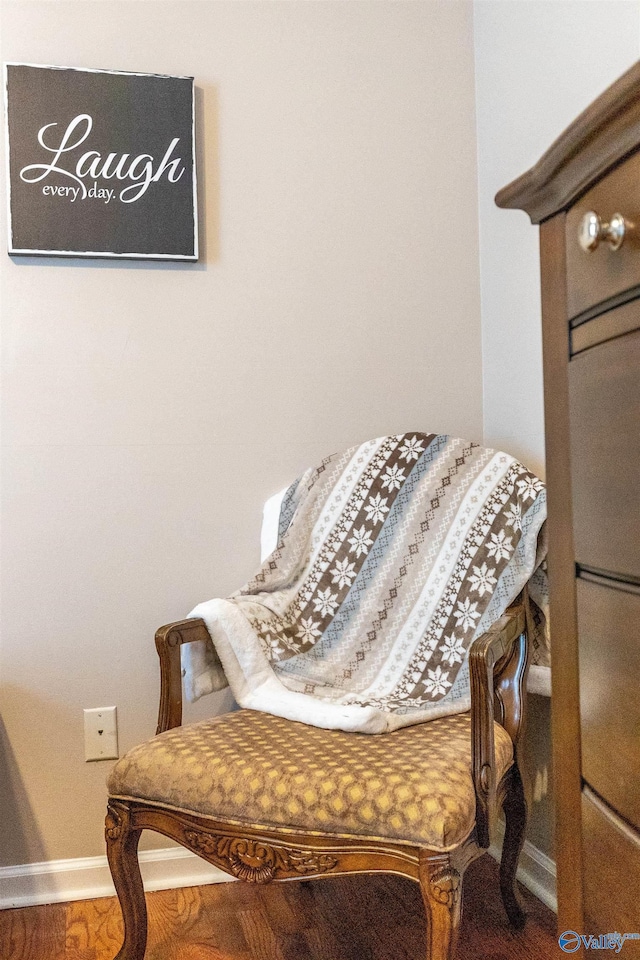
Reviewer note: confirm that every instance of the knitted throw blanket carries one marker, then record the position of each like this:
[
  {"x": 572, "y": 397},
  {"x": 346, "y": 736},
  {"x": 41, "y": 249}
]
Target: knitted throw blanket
[{"x": 393, "y": 557}]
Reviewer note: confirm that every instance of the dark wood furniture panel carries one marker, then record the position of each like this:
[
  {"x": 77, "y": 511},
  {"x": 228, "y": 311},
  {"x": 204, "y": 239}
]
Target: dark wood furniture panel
[
  {"x": 608, "y": 622},
  {"x": 604, "y": 391},
  {"x": 591, "y": 345},
  {"x": 610, "y": 847},
  {"x": 595, "y": 276},
  {"x": 605, "y": 326},
  {"x": 567, "y": 772}
]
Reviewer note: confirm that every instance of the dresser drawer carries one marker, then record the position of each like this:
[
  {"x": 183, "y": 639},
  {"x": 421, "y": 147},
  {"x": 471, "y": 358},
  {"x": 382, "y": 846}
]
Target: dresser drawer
[
  {"x": 604, "y": 400},
  {"x": 611, "y": 880},
  {"x": 609, "y": 652},
  {"x": 603, "y": 273}
]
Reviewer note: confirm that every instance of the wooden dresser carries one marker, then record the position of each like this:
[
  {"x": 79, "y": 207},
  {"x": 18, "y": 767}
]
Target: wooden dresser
[{"x": 585, "y": 194}]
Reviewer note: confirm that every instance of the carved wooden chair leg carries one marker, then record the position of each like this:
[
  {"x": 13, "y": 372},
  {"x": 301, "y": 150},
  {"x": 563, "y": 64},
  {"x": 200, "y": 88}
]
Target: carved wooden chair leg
[
  {"x": 441, "y": 886},
  {"x": 515, "y": 811},
  {"x": 122, "y": 853}
]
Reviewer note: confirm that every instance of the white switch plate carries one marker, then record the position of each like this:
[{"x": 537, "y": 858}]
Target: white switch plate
[{"x": 100, "y": 734}]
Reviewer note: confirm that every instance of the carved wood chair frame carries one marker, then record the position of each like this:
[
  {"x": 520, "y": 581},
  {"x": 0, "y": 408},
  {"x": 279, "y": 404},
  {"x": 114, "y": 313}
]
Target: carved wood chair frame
[{"x": 498, "y": 669}]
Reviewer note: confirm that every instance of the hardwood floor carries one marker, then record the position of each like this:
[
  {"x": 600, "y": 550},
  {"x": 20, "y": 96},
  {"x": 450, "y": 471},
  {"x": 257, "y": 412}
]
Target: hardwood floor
[{"x": 351, "y": 918}]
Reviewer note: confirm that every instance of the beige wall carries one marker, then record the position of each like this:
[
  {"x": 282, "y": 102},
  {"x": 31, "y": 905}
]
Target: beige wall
[
  {"x": 149, "y": 409},
  {"x": 538, "y": 65}
]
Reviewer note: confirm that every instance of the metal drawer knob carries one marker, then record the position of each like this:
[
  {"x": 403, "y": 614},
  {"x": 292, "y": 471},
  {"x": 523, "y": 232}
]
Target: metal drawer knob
[{"x": 592, "y": 230}]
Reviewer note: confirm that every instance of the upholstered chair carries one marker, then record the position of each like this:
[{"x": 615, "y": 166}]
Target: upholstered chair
[{"x": 269, "y": 799}]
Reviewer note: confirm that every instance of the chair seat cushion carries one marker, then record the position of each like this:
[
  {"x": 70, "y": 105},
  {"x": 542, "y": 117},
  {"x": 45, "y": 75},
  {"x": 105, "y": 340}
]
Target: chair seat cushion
[{"x": 412, "y": 785}]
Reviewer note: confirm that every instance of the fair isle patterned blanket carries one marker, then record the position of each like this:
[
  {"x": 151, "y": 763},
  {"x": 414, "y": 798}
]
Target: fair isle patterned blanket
[{"x": 392, "y": 558}]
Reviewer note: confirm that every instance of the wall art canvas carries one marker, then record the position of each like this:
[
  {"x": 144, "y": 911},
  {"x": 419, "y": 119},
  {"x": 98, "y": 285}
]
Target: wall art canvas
[{"x": 101, "y": 163}]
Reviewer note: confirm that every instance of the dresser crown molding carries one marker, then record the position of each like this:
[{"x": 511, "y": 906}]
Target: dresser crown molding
[{"x": 601, "y": 137}]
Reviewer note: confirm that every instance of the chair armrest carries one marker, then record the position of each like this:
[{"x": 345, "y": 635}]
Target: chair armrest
[
  {"x": 497, "y": 666},
  {"x": 169, "y": 639}
]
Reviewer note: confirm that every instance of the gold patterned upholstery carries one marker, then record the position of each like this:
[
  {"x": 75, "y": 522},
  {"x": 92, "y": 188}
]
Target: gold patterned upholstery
[{"x": 412, "y": 785}]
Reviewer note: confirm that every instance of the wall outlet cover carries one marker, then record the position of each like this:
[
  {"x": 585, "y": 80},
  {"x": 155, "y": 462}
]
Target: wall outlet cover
[{"x": 100, "y": 733}]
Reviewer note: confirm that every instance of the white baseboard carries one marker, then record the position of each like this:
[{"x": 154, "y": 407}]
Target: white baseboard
[
  {"x": 536, "y": 871},
  {"x": 60, "y": 881},
  {"x": 85, "y": 878}
]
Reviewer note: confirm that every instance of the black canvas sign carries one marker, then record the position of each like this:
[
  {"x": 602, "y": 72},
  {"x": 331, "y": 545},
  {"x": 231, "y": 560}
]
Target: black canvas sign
[{"x": 101, "y": 163}]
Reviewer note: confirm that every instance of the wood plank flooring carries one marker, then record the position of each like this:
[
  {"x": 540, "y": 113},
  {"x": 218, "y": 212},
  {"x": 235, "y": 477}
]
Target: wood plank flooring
[{"x": 349, "y": 918}]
